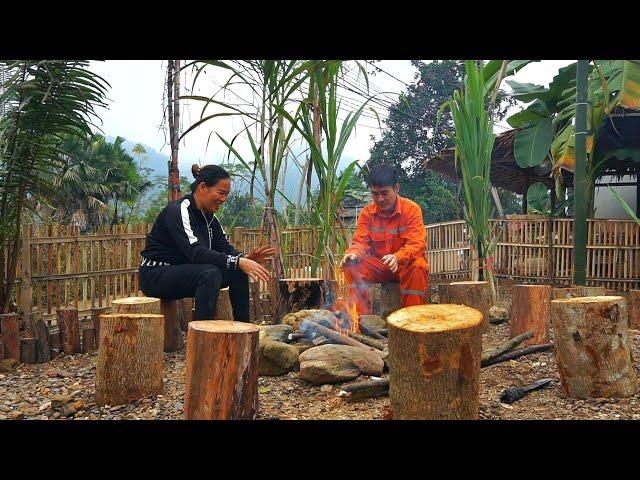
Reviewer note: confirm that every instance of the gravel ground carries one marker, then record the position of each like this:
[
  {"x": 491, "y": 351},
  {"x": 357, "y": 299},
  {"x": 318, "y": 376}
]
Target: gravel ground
[{"x": 65, "y": 389}]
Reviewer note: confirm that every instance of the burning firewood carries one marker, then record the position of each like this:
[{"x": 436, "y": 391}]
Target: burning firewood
[{"x": 372, "y": 342}]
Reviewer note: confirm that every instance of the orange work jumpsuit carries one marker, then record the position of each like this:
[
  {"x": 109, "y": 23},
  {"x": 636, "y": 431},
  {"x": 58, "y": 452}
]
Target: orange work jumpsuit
[{"x": 401, "y": 233}]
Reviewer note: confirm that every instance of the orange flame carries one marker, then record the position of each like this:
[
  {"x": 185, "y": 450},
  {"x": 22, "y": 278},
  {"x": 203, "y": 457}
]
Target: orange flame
[{"x": 355, "y": 318}]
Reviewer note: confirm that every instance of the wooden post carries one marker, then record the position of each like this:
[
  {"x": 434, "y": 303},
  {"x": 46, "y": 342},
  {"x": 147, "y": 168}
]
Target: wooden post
[
  {"x": 530, "y": 312},
  {"x": 173, "y": 340},
  {"x": 95, "y": 318},
  {"x": 55, "y": 345},
  {"x": 28, "y": 350},
  {"x": 130, "y": 362},
  {"x": 434, "y": 362},
  {"x": 304, "y": 293},
  {"x": 472, "y": 294},
  {"x": 221, "y": 371},
  {"x": 634, "y": 308},
  {"x": 26, "y": 289},
  {"x": 136, "y": 305},
  {"x": 10, "y": 328},
  {"x": 41, "y": 334},
  {"x": 593, "y": 351},
  {"x": 69, "y": 330},
  {"x": 223, "y": 308}
]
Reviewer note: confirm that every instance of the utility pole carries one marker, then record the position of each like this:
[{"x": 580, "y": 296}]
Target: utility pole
[{"x": 579, "y": 177}]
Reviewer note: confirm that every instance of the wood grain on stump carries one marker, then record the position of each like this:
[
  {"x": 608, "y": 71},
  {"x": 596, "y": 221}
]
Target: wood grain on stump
[
  {"x": 591, "y": 341},
  {"x": 472, "y": 294},
  {"x": 130, "y": 362},
  {"x": 221, "y": 371},
  {"x": 530, "y": 312},
  {"x": 633, "y": 305},
  {"x": 576, "y": 291},
  {"x": 69, "y": 330},
  {"x": 136, "y": 305},
  {"x": 434, "y": 361},
  {"x": 10, "y": 328}
]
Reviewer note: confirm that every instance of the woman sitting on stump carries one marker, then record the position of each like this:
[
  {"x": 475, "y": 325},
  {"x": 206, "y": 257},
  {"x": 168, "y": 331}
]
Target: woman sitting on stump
[{"x": 187, "y": 253}]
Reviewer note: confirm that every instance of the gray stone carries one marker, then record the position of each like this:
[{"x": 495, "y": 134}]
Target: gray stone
[
  {"x": 338, "y": 363},
  {"x": 277, "y": 333},
  {"x": 276, "y": 358}
]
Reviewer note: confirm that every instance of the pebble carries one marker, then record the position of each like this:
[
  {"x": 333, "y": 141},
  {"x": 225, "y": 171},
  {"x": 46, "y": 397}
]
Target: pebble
[{"x": 178, "y": 406}]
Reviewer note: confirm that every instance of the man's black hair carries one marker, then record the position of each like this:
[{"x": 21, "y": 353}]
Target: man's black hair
[
  {"x": 209, "y": 174},
  {"x": 382, "y": 175}
]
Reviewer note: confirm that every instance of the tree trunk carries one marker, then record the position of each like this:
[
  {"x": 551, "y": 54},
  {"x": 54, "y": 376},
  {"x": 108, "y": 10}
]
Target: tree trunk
[
  {"x": 223, "y": 308},
  {"x": 95, "y": 317},
  {"x": 221, "y": 371},
  {"x": 41, "y": 334},
  {"x": 55, "y": 345},
  {"x": 303, "y": 294},
  {"x": 28, "y": 350},
  {"x": 530, "y": 312},
  {"x": 187, "y": 313},
  {"x": 472, "y": 294},
  {"x": 173, "y": 340},
  {"x": 88, "y": 339},
  {"x": 573, "y": 292},
  {"x": 592, "y": 347},
  {"x": 385, "y": 298},
  {"x": 10, "y": 328},
  {"x": 634, "y": 309},
  {"x": 130, "y": 363},
  {"x": 434, "y": 362},
  {"x": 136, "y": 305},
  {"x": 69, "y": 330}
]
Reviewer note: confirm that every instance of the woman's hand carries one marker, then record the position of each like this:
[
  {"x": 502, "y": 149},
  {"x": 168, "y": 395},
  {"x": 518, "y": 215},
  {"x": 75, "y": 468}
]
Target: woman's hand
[
  {"x": 254, "y": 269},
  {"x": 261, "y": 254}
]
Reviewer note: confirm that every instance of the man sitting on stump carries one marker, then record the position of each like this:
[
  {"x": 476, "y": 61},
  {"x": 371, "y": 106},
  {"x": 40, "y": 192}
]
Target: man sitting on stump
[{"x": 389, "y": 244}]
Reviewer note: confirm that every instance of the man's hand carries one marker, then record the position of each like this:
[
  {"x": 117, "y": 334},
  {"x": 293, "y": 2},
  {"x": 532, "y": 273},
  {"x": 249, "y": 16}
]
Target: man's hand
[
  {"x": 391, "y": 261},
  {"x": 349, "y": 258},
  {"x": 261, "y": 254},
  {"x": 254, "y": 269}
]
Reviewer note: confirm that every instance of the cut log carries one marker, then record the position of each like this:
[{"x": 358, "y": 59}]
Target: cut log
[
  {"x": 69, "y": 330},
  {"x": 472, "y": 294},
  {"x": 530, "y": 312},
  {"x": 88, "y": 339},
  {"x": 55, "y": 345},
  {"x": 367, "y": 389},
  {"x": 173, "y": 340},
  {"x": 255, "y": 304},
  {"x": 371, "y": 342},
  {"x": 1, "y": 348},
  {"x": 221, "y": 371},
  {"x": 434, "y": 361},
  {"x": 443, "y": 297},
  {"x": 371, "y": 333},
  {"x": 41, "y": 334},
  {"x": 505, "y": 346},
  {"x": 224, "y": 311},
  {"x": 130, "y": 362},
  {"x": 385, "y": 298},
  {"x": 516, "y": 354},
  {"x": 333, "y": 335},
  {"x": 187, "y": 313},
  {"x": 10, "y": 328},
  {"x": 136, "y": 305},
  {"x": 576, "y": 291},
  {"x": 303, "y": 294},
  {"x": 95, "y": 318},
  {"x": 592, "y": 347},
  {"x": 633, "y": 305},
  {"x": 28, "y": 350}
]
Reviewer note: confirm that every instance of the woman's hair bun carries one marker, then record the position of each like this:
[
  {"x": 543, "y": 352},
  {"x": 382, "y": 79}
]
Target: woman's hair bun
[{"x": 195, "y": 170}]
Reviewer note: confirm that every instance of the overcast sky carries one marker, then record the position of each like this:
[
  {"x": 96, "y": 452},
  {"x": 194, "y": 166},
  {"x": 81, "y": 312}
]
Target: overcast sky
[{"x": 136, "y": 99}]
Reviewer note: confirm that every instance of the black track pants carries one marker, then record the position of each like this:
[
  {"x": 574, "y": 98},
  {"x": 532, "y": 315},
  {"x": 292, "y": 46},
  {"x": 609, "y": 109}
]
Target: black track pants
[{"x": 201, "y": 281}]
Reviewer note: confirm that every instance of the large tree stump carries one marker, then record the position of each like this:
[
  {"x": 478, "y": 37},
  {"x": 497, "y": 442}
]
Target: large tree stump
[
  {"x": 10, "y": 328},
  {"x": 221, "y": 371},
  {"x": 55, "y": 345},
  {"x": 130, "y": 363},
  {"x": 591, "y": 341},
  {"x": 69, "y": 330},
  {"x": 173, "y": 340},
  {"x": 187, "y": 305},
  {"x": 530, "y": 312},
  {"x": 136, "y": 305},
  {"x": 385, "y": 298},
  {"x": 28, "y": 350},
  {"x": 95, "y": 318},
  {"x": 434, "y": 362},
  {"x": 442, "y": 292},
  {"x": 223, "y": 308},
  {"x": 472, "y": 294},
  {"x": 41, "y": 334},
  {"x": 304, "y": 294},
  {"x": 577, "y": 291},
  {"x": 633, "y": 306}
]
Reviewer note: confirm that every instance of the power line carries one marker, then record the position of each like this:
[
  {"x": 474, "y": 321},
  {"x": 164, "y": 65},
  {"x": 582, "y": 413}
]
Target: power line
[{"x": 387, "y": 73}]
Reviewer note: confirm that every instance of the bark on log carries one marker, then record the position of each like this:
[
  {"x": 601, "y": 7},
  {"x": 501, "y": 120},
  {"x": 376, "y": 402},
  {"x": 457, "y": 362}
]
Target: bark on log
[
  {"x": 530, "y": 310},
  {"x": 434, "y": 361},
  {"x": 88, "y": 339},
  {"x": 443, "y": 296},
  {"x": 10, "y": 328},
  {"x": 472, "y": 294},
  {"x": 371, "y": 342},
  {"x": 221, "y": 371},
  {"x": 385, "y": 298},
  {"x": 95, "y": 317},
  {"x": 136, "y": 305},
  {"x": 1, "y": 348},
  {"x": 28, "y": 350},
  {"x": 371, "y": 333},
  {"x": 366, "y": 389},
  {"x": 223, "y": 307},
  {"x": 173, "y": 340},
  {"x": 55, "y": 345},
  {"x": 187, "y": 313},
  {"x": 130, "y": 362},
  {"x": 633, "y": 305},
  {"x": 297, "y": 294},
  {"x": 69, "y": 330},
  {"x": 579, "y": 291},
  {"x": 592, "y": 347},
  {"x": 505, "y": 346},
  {"x": 517, "y": 354},
  {"x": 336, "y": 336},
  {"x": 41, "y": 334}
]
